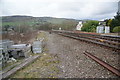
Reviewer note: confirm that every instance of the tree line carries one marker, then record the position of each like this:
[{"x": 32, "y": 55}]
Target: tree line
[
  {"x": 114, "y": 23},
  {"x": 90, "y": 26},
  {"x": 24, "y": 27}
]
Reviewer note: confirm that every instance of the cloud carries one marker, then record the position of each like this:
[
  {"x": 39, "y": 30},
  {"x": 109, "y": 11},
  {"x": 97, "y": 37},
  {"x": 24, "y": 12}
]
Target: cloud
[{"x": 77, "y": 9}]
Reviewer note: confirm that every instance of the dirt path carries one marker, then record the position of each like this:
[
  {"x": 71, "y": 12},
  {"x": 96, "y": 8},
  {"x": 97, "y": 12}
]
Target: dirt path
[{"x": 73, "y": 63}]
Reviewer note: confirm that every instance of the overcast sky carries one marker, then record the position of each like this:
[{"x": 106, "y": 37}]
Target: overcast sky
[{"x": 76, "y": 9}]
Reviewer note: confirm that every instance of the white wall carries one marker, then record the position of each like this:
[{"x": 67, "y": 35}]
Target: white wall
[{"x": 79, "y": 26}]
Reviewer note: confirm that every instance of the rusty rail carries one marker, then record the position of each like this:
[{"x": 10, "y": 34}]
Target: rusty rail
[
  {"x": 91, "y": 41},
  {"x": 104, "y": 64},
  {"x": 99, "y": 40}
]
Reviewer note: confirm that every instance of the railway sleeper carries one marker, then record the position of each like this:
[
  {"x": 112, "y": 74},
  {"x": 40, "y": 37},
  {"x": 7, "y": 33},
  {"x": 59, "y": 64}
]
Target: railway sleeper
[{"x": 92, "y": 41}]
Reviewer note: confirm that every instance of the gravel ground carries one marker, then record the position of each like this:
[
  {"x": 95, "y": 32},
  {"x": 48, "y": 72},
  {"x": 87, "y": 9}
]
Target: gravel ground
[{"x": 74, "y": 64}]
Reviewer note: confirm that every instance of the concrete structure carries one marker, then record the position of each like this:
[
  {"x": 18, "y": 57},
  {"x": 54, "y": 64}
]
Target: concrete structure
[
  {"x": 20, "y": 50},
  {"x": 79, "y": 26},
  {"x": 37, "y": 46},
  {"x": 4, "y": 55},
  {"x": 1, "y": 57},
  {"x": 107, "y": 29},
  {"x": 103, "y": 29},
  {"x": 100, "y": 29}
]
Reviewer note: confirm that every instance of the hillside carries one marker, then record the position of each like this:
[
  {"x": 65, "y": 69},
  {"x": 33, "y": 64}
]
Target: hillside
[
  {"x": 41, "y": 23},
  {"x": 9, "y": 19}
]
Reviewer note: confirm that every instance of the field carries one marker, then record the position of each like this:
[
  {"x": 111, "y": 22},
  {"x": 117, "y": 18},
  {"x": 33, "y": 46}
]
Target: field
[{"x": 43, "y": 23}]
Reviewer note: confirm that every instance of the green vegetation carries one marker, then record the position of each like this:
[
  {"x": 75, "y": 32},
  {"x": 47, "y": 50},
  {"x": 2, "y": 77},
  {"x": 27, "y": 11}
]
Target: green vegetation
[
  {"x": 44, "y": 67},
  {"x": 25, "y": 23},
  {"x": 18, "y": 26},
  {"x": 113, "y": 22},
  {"x": 42, "y": 35},
  {"x": 116, "y": 29},
  {"x": 90, "y": 26}
]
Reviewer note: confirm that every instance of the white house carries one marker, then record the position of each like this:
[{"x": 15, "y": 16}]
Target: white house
[{"x": 79, "y": 26}]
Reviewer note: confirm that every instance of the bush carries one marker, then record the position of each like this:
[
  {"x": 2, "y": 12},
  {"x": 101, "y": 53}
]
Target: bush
[
  {"x": 90, "y": 26},
  {"x": 116, "y": 29}
]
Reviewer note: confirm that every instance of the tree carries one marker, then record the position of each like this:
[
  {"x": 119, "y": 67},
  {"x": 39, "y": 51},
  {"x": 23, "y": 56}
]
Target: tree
[
  {"x": 90, "y": 26},
  {"x": 116, "y": 29},
  {"x": 113, "y": 22},
  {"x": 44, "y": 26},
  {"x": 109, "y": 22}
]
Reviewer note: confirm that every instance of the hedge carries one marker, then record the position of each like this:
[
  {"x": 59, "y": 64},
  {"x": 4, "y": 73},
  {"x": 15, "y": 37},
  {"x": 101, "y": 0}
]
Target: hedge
[{"x": 116, "y": 29}]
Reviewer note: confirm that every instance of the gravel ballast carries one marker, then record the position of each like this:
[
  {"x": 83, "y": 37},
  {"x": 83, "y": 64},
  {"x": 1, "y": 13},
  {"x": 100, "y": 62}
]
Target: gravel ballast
[{"x": 74, "y": 64}]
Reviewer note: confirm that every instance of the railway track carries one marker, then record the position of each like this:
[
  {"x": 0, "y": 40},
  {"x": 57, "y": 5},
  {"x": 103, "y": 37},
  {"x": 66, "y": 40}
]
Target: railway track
[
  {"x": 108, "y": 41},
  {"x": 102, "y": 63}
]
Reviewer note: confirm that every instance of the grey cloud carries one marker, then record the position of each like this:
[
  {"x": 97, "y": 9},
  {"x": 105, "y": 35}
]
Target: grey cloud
[
  {"x": 106, "y": 8},
  {"x": 66, "y": 9}
]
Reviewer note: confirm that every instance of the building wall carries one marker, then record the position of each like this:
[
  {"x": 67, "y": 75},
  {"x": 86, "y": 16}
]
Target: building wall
[
  {"x": 103, "y": 29},
  {"x": 100, "y": 29},
  {"x": 107, "y": 29},
  {"x": 79, "y": 26}
]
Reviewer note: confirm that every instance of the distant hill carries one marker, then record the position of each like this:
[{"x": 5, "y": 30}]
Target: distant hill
[
  {"x": 39, "y": 22},
  {"x": 37, "y": 19},
  {"x": 15, "y": 18}
]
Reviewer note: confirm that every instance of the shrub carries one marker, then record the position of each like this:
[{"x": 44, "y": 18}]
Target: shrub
[
  {"x": 116, "y": 29},
  {"x": 90, "y": 26}
]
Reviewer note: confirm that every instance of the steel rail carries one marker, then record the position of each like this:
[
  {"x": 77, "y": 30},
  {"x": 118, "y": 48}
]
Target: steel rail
[
  {"x": 104, "y": 64},
  {"x": 102, "y": 40},
  {"x": 91, "y": 41},
  {"x": 106, "y": 37}
]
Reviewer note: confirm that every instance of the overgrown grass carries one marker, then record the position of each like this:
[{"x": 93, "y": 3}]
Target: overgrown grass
[
  {"x": 18, "y": 23},
  {"x": 12, "y": 64},
  {"x": 42, "y": 35},
  {"x": 43, "y": 67}
]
